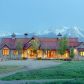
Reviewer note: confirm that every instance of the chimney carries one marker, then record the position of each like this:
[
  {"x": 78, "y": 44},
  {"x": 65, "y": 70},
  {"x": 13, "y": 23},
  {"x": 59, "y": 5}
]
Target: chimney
[
  {"x": 13, "y": 35},
  {"x": 59, "y": 36},
  {"x": 25, "y": 34}
]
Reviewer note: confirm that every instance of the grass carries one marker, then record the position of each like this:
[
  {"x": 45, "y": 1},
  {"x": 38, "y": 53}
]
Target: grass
[
  {"x": 68, "y": 70},
  {"x": 6, "y": 69},
  {"x": 57, "y": 82}
]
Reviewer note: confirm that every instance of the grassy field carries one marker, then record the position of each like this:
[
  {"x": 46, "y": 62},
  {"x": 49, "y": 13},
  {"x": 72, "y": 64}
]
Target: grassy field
[
  {"x": 6, "y": 69},
  {"x": 73, "y": 70}
]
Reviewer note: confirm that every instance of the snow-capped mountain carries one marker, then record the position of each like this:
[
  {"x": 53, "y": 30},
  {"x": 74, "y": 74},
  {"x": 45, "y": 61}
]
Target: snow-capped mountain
[
  {"x": 4, "y": 34},
  {"x": 66, "y": 31},
  {"x": 52, "y": 33},
  {"x": 74, "y": 32}
]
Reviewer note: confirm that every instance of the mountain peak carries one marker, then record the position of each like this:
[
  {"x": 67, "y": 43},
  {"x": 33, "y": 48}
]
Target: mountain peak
[{"x": 52, "y": 33}]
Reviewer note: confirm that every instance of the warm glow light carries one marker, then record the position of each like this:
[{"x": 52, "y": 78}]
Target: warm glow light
[
  {"x": 24, "y": 53},
  {"x": 66, "y": 55},
  {"x": 28, "y": 51},
  {"x": 39, "y": 53},
  {"x": 82, "y": 53},
  {"x": 15, "y": 52},
  {"x": 75, "y": 51},
  {"x": 5, "y": 51}
]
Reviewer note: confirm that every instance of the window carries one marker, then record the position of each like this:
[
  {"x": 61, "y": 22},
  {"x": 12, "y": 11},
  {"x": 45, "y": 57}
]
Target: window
[
  {"x": 53, "y": 53},
  {"x": 5, "y": 51},
  {"x": 66, "y": 54},
  {"x": 82, "y": 53},
  {"x": 49, "y": 54},
  {"x": 15, "y": 52},
  {"x": 75, "y": 51},
  {"x": 31, "y": 53}
]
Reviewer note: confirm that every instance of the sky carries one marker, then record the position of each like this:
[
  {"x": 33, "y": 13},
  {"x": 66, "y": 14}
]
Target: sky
[{"x": 38, "y": 15}]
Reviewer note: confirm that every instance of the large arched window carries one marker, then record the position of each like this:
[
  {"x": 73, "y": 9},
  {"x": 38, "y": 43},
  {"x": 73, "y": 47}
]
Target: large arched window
[{"x": 5, "y": 51}]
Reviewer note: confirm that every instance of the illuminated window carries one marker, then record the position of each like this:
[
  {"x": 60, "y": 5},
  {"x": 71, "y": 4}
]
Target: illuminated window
[
  {"x": 28, "y": 51},
  {"x": 5, "y": 51},
  {"x": 31, "y": 53},
  {"x": 75, "y": 52},
  {"x": 24, "y": 53},
  {"x": 49, "y": 54},
  {"x": 15, "y": 52},
  {"x": 53, "y": 53},
  {"x": 66, "y": 54},
  {"x": 82, "y": 53}
]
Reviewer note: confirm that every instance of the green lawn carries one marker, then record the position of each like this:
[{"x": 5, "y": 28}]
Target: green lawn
[
  {"x": 68, "y": 70},
  {"x": 6, "y": 69}
]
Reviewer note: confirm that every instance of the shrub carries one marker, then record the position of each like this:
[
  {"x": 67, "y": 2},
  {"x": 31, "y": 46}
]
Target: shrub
[
  {"x": 24, "y": 58},
  {"x": 72, "y": 53},
  {"x": 67, "y": 59},
  {"x": 39, "y": 58}
]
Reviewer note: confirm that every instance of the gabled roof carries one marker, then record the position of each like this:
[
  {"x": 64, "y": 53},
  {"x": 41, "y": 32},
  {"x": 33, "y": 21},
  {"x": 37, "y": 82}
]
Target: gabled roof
[
  {"x": 73, "y": 39},
  {"x": 53, "y": 43},
  {"x": 11, "y": 43},
  {"x": 81, "y": 45},
  {"x": 46, "y": 43}
]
